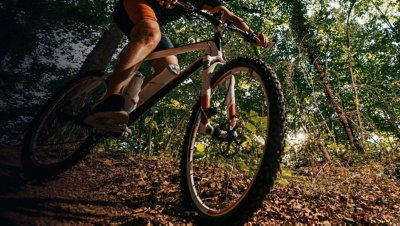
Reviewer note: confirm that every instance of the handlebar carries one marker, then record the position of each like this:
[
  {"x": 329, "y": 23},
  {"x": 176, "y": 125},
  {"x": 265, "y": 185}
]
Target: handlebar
[{"x": 228, "y": 25}]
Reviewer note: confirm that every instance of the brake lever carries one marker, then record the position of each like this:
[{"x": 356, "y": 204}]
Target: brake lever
[
  {"x": 247, "y": 36},
  {"x": 255, "y": 39}
]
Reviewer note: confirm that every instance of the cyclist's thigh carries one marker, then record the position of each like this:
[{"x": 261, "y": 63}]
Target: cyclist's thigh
[{"x": 131, "y": 12}]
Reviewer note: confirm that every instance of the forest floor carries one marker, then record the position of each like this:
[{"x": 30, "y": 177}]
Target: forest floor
[{"x": 107, "y": 188}]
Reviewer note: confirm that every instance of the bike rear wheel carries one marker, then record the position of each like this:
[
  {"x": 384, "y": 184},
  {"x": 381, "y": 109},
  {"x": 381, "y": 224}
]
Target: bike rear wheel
[
  {"x": 57, "y": 137},
  {"x": 226, "y": 180}
]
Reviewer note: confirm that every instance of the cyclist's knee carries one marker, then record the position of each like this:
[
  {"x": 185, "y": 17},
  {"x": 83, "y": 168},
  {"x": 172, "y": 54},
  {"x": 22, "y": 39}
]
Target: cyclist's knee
[{"x": 146, "y": 32}]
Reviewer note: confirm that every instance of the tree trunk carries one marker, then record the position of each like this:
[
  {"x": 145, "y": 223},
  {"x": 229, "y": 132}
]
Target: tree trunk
[
  {"x": 330, "y": 92},
  {"x": 353, "y": 79},
  {"x": 102, "y": 53},
  {"x": 321, "y": 146},
  {"x": 303, "y": 32}
]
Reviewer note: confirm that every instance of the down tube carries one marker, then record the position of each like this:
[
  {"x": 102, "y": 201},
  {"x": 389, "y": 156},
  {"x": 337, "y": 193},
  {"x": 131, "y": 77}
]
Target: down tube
[{"x": 165, "y": 90}]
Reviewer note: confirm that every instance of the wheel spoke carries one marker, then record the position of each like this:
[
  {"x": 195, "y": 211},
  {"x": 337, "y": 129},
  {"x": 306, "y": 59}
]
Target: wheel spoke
[{"x": 57, "y": 132}]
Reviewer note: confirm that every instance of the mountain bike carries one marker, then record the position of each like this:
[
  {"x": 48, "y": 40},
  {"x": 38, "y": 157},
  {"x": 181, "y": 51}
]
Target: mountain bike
[{"x": 234, "y": 138}]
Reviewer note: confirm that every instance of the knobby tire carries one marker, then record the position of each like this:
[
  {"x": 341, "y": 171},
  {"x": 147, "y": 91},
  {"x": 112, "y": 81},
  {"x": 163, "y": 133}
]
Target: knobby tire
[{"x": 224, "y": 184}]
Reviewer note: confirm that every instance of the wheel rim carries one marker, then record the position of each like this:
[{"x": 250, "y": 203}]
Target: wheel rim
[
  {"x": 57, "y": 137},
  {"x": 220, "y": 175}
]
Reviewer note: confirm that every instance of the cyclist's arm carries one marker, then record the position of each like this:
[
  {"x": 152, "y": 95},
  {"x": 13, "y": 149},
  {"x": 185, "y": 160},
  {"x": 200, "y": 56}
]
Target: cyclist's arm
[
  {"x": 238, "y": 22},
  {"x": 228, "y": 15}
]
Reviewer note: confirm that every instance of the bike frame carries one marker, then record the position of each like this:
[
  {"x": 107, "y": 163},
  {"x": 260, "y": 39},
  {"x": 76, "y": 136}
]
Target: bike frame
[{"x": 211, "y": 58}]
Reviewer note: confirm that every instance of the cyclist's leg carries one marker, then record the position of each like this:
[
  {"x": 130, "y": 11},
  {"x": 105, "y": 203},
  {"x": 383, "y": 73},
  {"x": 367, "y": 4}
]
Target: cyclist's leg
[
  {"x": 144, "y": 33},
  {"x": 144, "y": 36}
]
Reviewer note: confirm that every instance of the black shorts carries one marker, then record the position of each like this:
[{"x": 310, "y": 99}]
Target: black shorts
[{"x": 122, "y": 20}]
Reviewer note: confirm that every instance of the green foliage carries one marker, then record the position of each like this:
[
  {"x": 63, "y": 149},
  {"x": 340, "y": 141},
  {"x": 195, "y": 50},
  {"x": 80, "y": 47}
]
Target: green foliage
[
  {"x": 46, "y": 42},
  {"x": 375, "y": 57}
]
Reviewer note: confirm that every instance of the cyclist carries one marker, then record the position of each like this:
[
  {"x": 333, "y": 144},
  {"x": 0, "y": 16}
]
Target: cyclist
[{"x": 143, "y": 22}]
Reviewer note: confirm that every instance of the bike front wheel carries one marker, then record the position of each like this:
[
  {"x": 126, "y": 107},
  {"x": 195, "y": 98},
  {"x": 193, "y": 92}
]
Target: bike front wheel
[
  {"x": 226, "y": 180},
  {"x": 57, "y": 137}
]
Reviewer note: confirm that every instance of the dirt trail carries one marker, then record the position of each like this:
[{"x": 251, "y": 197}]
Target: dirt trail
[
  {"x": 101, "y": 189},
  {"x": 118, "y": 189}
]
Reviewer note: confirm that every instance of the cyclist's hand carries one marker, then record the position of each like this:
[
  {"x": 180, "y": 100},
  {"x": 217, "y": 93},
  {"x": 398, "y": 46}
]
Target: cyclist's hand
[
  {"x": 168, "y": 3},
  {"x": 262, "y": 40}
]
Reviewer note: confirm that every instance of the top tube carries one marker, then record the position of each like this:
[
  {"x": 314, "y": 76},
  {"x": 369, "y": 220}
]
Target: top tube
[{"x": 210, "y": 46}]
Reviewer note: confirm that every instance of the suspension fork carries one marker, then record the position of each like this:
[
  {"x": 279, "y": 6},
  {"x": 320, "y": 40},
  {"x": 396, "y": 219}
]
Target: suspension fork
[
  {"x": 230, "y": 100},
  {"x": 209, "y": 65},
  {"x": 208, "y": 68}
]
